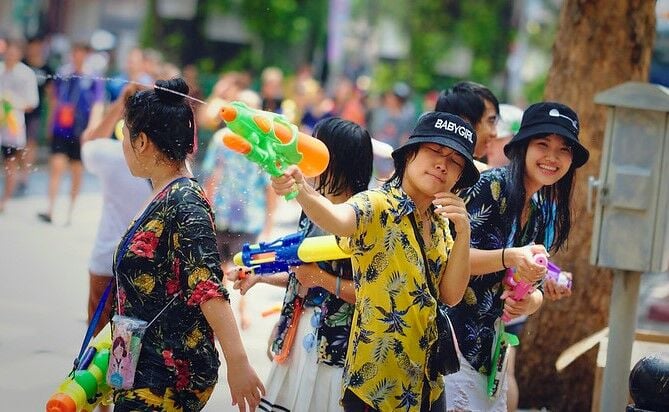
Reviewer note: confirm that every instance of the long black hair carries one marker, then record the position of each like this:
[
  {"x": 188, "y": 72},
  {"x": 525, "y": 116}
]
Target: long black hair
[
  {"x": 165, "y": 117},
  {"x": 351, "y": 158},
  {"x": 554, "y": 200}
]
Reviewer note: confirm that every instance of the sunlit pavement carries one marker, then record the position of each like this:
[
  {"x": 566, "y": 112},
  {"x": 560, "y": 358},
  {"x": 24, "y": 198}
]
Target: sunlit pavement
[{"x": 44, "y": 292}]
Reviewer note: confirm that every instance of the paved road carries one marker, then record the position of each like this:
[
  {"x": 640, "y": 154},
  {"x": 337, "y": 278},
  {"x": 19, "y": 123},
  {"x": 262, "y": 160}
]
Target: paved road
[{"x": 44, "y": 292}]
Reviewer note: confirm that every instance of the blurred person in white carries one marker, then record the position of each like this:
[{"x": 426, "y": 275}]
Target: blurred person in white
[
  {"x": 35, "y": 58},
  {"x": 123, "y": 196},
  {"x": 18, "y": 94}
]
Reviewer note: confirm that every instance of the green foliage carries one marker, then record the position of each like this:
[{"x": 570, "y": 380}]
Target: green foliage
[
  {"x": 434, "y": 27},
  {"x": 287, "y": 30}
]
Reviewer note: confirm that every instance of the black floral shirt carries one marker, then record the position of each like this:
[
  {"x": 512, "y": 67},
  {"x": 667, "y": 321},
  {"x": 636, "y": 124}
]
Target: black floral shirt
[
  {"x": 172, "y": 254},
  {"x": 334, "y": 320},
  {"x": 475, "y": 316}
]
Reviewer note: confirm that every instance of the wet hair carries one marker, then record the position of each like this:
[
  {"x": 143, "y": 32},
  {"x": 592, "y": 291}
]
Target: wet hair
[
  {"x": 467, "y": 100},
  {"x": 351, "y": 157},
  {"x": 165, "y": 117},
  {"x": 401, "y": 162},
  {"x": 554, "y": 200}
]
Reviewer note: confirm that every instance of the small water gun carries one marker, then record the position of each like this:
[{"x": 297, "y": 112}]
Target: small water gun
[
  {"x": 520, "y": 289},
  {"x": 8, "y": 119},
  {"x": 272, "y": 142},
  {"x": 266, "y": 258},
  {"x": 85, "y": 387}
]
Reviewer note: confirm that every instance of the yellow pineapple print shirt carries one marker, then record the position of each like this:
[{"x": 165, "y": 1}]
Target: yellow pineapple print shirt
[{"x": 394, "y": 323}]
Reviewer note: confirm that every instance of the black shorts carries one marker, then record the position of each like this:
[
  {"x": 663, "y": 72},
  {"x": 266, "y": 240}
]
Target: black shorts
[
  {"x": 230, "y": 243},
  {"x": 9, "y": 152},
  {"x": 33, "y": 126},
  {"x": 69, "y": 147}
]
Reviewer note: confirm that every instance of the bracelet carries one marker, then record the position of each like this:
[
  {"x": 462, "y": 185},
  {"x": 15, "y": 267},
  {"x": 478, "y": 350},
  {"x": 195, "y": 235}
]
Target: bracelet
[
  {"x": 337, "y": 286},
  {"x": 503, "y": 264}
]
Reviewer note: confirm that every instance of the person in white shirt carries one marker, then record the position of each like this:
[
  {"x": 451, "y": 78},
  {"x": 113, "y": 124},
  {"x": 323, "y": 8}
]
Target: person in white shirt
[
  {"x": 18, "y": 94},
  {"x": 123, "y": 196}
]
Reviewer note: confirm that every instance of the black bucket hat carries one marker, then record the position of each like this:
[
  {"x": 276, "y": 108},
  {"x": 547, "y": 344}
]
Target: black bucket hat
[
  {"x": 447, "y": 130},
  {"x": 548, "y": 118}
]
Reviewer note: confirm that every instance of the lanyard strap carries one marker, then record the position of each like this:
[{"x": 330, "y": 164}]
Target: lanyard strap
[{"x": 421, "y": 245}]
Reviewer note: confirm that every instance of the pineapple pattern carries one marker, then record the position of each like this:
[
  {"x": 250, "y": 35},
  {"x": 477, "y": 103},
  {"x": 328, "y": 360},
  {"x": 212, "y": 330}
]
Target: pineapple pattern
[
  {"x": 474, "y": 317},
  {"x": 172, "y": 252},
  {"x": 393, "y": 324}
]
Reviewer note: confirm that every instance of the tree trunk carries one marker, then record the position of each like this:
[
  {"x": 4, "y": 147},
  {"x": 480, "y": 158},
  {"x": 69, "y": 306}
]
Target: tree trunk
[{"x": 599, "y": 44}]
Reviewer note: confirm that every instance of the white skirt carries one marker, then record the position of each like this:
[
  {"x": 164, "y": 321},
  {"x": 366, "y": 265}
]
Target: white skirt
[
  {"x": 467, "y": 390},
  {"x": 300, "y": 384}
]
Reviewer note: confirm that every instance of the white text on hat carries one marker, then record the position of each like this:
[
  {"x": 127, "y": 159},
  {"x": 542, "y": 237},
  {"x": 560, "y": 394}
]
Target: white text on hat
[{"x": 455, "y": 128}]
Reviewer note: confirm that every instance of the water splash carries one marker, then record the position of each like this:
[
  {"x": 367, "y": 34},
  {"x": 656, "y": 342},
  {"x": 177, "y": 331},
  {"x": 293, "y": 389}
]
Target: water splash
[{"x": 116, "y": 79}]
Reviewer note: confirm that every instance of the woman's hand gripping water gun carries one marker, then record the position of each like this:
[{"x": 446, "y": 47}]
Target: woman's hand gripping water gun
[{"x": 272, "y": 142}]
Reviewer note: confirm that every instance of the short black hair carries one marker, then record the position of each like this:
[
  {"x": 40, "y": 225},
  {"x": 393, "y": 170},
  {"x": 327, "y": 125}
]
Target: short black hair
[
  {"x": 467, "y": 100},
  {"x": 351, "y": 158},
  {"x": 407, "y": 154},
  {"x": 165, "y": 117}
]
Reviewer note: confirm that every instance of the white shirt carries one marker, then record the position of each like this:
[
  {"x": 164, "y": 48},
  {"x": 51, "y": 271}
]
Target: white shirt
[
  {"x": 18, "y": 86},
  {"x": 123, "y": 195}
]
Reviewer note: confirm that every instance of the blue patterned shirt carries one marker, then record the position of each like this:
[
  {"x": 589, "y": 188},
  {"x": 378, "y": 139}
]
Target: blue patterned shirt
[{"x": 474, "y": 317}]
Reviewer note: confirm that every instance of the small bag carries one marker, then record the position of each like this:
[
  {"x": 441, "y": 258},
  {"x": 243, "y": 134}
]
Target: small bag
[
  {"x": 125, "y": 350},
  {"x": 443, "y": 357}
]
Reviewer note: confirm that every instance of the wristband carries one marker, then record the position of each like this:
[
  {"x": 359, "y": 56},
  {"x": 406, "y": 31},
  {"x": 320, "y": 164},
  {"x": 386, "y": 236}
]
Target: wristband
[{"x": 503, "y": 264}]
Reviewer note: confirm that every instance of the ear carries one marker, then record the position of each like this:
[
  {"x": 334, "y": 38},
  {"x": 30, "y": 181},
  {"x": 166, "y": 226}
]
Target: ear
[{"x": 141, "y": 143}]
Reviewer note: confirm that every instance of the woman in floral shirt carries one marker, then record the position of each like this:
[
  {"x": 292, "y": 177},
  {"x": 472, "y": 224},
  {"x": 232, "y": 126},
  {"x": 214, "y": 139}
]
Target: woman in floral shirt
[
  {"x": 167, "y": 269},
  {"x": 306, "y": 373}
]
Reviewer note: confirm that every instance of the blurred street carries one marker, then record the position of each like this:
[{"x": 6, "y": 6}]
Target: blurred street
[{"x": 45, "y": 286}]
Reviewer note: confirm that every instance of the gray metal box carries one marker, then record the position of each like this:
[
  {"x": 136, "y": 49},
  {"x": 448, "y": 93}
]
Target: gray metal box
[{"x": 631, "y": 225}]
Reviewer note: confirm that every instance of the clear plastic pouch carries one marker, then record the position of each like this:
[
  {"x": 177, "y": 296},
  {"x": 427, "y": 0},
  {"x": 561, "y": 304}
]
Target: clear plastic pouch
[{"x": 126, "y": 346}]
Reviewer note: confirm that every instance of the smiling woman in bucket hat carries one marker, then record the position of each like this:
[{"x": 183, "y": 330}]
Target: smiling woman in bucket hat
[
  {"x": 551, "y": 118},
  {"x": 516, "y": 212}
]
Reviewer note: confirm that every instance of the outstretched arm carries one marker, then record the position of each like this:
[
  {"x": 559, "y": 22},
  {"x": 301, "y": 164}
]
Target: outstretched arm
[{"x": 338, "y": 219}]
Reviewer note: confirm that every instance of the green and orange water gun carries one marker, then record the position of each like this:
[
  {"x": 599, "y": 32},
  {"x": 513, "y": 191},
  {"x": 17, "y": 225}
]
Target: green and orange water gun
[{"x": 272, "y": 142}]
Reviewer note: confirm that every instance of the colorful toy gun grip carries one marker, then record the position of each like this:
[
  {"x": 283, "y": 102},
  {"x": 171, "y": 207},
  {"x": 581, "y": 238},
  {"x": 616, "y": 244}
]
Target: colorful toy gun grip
[
  {"x": 519, "y": 288},
  {"x": 556, "y": 274},
  {"x": 85, "y": 387},
  {"x": 272, "y": 142},
  {"x": 8, "y": 118},
  {"x": 266, "y": 258}
]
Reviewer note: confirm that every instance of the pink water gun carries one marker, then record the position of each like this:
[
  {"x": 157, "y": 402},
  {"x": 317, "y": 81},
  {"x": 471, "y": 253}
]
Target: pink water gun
[{"x": 520, "y": 288}]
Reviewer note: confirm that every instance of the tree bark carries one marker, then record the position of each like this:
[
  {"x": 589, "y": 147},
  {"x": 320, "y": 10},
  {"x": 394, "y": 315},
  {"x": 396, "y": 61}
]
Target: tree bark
[{"x": 599, "y": 44}]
